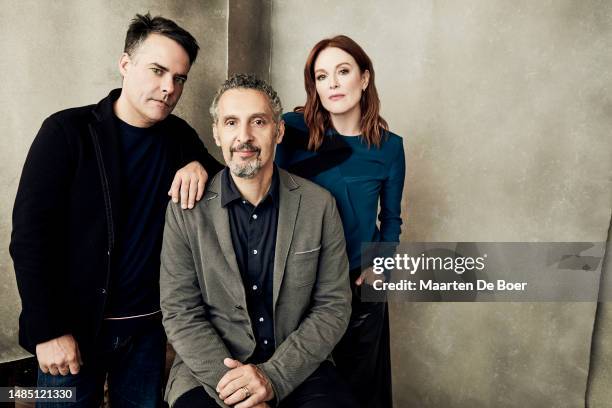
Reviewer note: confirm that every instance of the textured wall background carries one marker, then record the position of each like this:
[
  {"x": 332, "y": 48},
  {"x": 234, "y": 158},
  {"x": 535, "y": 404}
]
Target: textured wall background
[
  {"x": 506, "y": 112},
  {"x": 63, "y": 54}
]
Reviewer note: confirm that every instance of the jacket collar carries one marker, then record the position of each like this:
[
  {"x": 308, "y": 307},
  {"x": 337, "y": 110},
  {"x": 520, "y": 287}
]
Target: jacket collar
[
  {"x": 104, "y": 131},
  {"x": 104, "y": 109},
  {"x": 286, "y": 182},
  {"x": 230, "y": 192}
]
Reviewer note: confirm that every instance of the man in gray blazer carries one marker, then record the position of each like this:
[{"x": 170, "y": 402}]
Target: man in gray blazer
[{"x": 254, "y": 280}]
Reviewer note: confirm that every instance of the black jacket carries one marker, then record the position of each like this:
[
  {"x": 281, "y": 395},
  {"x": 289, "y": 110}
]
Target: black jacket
[{"x": 65, "y": 219}]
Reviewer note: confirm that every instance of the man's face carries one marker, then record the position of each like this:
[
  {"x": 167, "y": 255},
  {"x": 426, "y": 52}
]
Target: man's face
[
  {"x": 153, "y": 79},
  {"x": 246, "y": 132}
]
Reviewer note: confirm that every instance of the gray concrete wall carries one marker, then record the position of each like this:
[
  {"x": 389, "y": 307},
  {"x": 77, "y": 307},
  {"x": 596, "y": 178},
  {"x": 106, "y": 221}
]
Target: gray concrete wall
[
  {"x": 506, "y": 112},
  {"x": 60, "y": 54},
  {"x": 249, "y": 37}
]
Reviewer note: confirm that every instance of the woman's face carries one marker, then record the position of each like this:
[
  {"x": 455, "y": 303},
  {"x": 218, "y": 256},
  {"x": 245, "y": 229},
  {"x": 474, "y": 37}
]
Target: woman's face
[{"x": 339, "y": 81}]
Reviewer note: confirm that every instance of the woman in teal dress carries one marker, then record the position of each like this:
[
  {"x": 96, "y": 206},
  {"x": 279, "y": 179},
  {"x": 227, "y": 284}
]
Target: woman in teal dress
[{"x": 339, "y": 140}]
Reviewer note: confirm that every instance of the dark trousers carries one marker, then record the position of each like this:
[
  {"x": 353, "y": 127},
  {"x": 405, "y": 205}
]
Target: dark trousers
[
  {"x": 323, "y": 389},
  {"x": 134, "y": 365},
  {"x": 363, "y": 356}
]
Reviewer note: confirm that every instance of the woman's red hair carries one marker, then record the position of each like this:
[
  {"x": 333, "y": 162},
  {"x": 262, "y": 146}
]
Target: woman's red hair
[{"x": 317, "y": 118}]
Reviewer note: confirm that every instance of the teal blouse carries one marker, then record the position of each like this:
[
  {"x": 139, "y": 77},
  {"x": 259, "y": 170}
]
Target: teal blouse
[{"x": 357, "y": 184}]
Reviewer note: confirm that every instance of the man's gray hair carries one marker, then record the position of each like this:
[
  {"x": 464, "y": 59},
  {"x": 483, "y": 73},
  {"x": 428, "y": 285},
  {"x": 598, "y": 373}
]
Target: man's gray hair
[{"x": 247, "y": 81}]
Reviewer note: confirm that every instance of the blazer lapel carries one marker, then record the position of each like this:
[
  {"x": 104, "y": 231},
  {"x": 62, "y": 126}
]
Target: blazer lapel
[
  {"x": 220, "y": 218},
  {"x": 287, "y": 216}
]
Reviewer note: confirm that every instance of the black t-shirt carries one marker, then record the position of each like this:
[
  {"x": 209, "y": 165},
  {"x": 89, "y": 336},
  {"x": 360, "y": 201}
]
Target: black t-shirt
[{"x": 146, "y": 176}]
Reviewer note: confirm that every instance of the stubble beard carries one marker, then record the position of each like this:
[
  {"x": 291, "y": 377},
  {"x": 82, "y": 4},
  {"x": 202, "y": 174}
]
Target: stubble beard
[{"x": 246, "y": 170}]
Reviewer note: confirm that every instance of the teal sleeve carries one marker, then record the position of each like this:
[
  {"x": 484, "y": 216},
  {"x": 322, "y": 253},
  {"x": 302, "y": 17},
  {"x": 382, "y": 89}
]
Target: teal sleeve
[{"x": 391, "y": 198}]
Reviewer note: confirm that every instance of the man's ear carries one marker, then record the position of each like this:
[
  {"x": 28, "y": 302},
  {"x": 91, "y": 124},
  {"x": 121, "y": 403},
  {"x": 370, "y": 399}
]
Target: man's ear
[
  {"x": 215, "y": 135},
  {"x": 124, "y": 61},
  {"x": 280, "y": 131}
]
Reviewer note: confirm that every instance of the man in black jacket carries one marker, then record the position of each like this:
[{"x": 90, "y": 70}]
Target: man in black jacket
[{"x": 88, "y": 222}]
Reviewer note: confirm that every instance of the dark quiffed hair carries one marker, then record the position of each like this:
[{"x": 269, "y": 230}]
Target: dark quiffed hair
[{"x": 141, "y": 26}]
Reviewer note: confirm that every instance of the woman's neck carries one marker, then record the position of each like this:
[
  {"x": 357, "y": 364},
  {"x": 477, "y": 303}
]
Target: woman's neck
[{"x": 347, "y": 123}]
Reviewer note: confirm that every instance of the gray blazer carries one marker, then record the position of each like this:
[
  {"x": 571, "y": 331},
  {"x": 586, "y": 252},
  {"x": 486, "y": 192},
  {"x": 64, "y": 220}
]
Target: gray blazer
[{"x": 203, "y": 299}]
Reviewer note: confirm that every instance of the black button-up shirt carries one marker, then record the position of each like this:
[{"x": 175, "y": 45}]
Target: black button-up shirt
[{"x": 253, "y": 231}]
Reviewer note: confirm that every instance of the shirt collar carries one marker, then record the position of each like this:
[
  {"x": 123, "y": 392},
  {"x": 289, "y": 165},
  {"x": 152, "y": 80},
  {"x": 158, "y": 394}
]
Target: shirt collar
[{"x": 230, "y": 193}]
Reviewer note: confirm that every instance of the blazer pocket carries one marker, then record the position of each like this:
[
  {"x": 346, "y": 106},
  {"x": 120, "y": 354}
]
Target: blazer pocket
[
  {"x": 308, "y": 251},
  {"x": 302, "y": 267}
]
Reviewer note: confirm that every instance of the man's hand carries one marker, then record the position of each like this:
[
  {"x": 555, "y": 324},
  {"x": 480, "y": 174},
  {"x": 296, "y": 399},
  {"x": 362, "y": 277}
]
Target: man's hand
[
  {"x": 368, "y": 276},
  {"x": 188, "y": 184},
  {"x": 59, "y": 356},
  {"x": 244, "y": 385}
]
